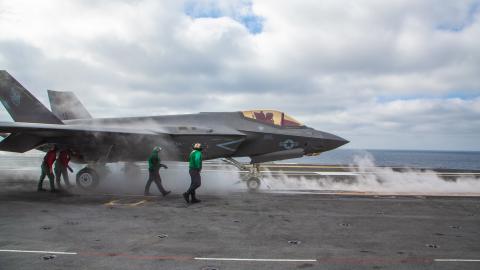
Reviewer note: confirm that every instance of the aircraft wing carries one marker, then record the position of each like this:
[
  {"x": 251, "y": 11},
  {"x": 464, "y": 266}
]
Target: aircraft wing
[
  {"x": 66, "y": 130},
  {"x": 27, "y": 136}
]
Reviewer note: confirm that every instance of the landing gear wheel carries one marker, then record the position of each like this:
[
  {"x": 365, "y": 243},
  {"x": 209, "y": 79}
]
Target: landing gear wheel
[
  {"x": 87, "y": 179},
  {"x": 253, "y": 184}
]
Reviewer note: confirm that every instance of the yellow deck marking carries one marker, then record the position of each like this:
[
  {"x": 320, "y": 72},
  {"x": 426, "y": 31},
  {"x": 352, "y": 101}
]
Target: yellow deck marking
[
  {"x": 111, "y": 203},
  {"x": 118, "y": 203}
]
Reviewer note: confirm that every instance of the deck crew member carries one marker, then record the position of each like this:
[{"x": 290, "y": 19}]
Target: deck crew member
[
  {"x": 47, "y": 169},
  {"x": 195, "y": 167},
  {"x": 154, "y": 166},
  {"x": 61, "y": 166}
]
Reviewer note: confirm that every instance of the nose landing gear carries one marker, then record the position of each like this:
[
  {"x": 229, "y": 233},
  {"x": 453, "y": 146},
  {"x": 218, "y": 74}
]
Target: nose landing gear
[
  {"x": 253, "y": 183},
  {"x": 253, "y": 176}
]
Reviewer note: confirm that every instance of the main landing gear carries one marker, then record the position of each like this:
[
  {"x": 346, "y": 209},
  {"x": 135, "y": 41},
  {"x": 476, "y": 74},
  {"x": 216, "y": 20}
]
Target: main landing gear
[
  {"x": 252, "y": 178},
  {"x": 88, "y": 178}
]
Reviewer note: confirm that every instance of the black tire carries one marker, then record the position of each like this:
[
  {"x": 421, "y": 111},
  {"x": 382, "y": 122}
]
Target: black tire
[
  {"x": 253, "y": 184},
  {"x": 87, "y": 179}
]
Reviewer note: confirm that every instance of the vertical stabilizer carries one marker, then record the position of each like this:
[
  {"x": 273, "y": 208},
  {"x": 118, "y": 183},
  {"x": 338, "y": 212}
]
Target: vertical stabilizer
[
  {"x": 21, "y": 104},
  {"x": 66, "y": 106}
]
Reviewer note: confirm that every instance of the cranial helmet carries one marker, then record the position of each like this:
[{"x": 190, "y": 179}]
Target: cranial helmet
[{"x": 197, "y": 146}]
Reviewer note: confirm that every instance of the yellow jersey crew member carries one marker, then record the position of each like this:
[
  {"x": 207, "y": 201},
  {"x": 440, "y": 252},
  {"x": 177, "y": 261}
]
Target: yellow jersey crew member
[{"x": 195, "y": 167}]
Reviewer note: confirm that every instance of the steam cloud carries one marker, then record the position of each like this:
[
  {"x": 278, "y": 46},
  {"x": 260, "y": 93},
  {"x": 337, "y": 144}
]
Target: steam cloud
[
  {"x": 366, "y": 177},
  {"x": 223, "y": 179}
]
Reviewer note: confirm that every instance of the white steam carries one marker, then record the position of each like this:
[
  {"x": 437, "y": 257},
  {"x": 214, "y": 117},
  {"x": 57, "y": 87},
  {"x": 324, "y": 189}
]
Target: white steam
[
  {"x": 218, "y": 178},
  {"x": 222, "y": 179},
  {"x": 364, "y": 176}
]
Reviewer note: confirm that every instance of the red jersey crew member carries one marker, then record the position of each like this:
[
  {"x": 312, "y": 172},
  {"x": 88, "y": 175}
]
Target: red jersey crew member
[
  {"x": 47, "y": 169},
  {"x": 61, "y": 166}
]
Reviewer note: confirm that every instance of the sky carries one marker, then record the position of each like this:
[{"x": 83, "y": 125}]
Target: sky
[{"x": 382, "y": 74}]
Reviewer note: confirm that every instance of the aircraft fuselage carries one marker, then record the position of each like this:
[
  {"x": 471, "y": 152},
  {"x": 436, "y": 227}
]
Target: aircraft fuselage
[{"x": 223, "y": 134}]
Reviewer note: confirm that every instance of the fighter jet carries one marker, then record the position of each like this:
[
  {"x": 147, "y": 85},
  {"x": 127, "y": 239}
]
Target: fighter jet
[{"x": 261, "y": 135}]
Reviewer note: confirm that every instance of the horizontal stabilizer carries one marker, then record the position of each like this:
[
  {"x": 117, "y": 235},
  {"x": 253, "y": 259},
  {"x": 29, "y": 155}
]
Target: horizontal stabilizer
[
  {"x": 66, "y": 106},
  {"x": 21, "y": 104},
  {"x": 20, "y": 143}
]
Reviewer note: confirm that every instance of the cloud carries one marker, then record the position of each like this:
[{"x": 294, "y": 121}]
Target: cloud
[
  {"x": 380, "y": 73},
  {"x": 239, "y": 10}
]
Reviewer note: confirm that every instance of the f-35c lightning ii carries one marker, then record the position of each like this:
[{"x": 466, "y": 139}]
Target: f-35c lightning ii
[{"x": 261, "y": 135}]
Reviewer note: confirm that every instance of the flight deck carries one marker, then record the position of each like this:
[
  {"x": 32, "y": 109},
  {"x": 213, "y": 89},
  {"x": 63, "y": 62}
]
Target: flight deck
[{"x": 278, "y": 227}]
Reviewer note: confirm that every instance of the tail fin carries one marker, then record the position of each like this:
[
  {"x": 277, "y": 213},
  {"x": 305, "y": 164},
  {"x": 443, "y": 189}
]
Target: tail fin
[
  {"x": 21, "y": 104},
  {"x": 66, "y": 106}
]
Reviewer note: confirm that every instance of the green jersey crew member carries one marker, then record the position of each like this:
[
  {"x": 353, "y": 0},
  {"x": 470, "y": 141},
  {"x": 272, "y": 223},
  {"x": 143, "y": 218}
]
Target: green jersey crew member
[
  {"x": 154, "y": 166},
  {"x": 47, "y": 169},
  {"x": 195, "y": 166}
]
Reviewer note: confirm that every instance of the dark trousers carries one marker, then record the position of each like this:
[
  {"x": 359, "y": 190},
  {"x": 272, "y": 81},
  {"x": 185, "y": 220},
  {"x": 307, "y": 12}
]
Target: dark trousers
[
  {"x": 196, "y": 181},
  {"x": 59, "y": 172},
  {"x": 154, "y": 176},
  {"x": 46, "y": 172}
]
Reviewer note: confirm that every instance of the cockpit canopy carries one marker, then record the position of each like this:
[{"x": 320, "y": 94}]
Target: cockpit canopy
[{"x": 272, "y": 117}]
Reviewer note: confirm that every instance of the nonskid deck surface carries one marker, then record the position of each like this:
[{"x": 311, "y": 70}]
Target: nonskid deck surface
[
  {"x": 238, "y": 230},
  {"x": 282, "y": 226}
]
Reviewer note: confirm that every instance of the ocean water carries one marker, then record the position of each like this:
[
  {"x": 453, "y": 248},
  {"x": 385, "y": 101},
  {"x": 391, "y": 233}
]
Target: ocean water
[{"x": 400, "y": 158}]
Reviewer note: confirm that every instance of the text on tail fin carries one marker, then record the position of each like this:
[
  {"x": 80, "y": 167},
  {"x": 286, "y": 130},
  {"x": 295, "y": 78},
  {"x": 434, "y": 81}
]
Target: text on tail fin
[{"x": 21, "y": 104}]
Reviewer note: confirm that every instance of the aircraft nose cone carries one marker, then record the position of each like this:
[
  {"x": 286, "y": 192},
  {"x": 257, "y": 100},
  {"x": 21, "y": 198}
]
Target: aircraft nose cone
[
  {"x": 330, "y": 141},
  {"x": 339, "y": 141},
  {"x": 334, "y": 141}
]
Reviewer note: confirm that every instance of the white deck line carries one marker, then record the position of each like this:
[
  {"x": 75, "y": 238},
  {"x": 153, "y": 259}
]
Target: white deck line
[
  {"x": 217, "y": 259},
  {"x": 253, "y": 260},
  {"x": 457, "y": 260},
  {"x": 38, "y": 251}
]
